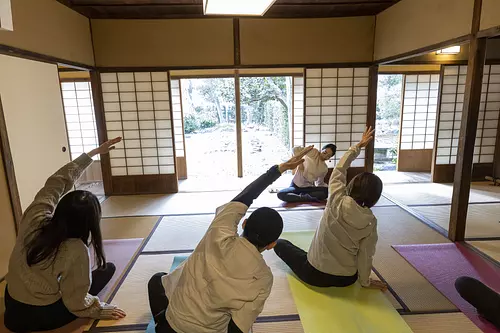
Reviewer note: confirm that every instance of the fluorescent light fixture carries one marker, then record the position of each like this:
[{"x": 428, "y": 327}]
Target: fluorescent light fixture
[
  {"x": 450, "y": 50},
  {"x": 236, "y": 7}
]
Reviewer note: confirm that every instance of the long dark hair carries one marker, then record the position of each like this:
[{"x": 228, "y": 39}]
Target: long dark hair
[{"x": 77, "y": 215}]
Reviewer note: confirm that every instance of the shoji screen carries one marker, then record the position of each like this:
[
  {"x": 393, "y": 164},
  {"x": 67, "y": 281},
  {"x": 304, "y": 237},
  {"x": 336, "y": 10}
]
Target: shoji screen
[
  {"x": 137, "y": 107},
  {"x": 178, "y": 128},
  {"x": 419, "y": 111},
  {"x": 487, "y": 126},
  {"x": 80, "y": 117},
  {"x": 336, "y": 109},
  {"x": 298, "y": 111},
  {"x": 451, "y": 113}
]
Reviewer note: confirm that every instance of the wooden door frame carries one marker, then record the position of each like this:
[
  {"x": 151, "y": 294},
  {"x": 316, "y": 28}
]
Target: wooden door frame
[{"x": 10, "y": 174}]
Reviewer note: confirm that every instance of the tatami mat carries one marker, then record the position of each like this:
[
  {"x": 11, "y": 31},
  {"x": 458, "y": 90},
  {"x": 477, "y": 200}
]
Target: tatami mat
[
  {"x": 185, "y": 231},
  {"x": 395, "y": 226},
  {"x": 127, "y": 227},
  {"x": 285, "y": 326},
  {"x": 132, "y": 296},
  {"x": 490, "y": 248},
  {"x": 441, "y": 323},
  {"x": 189, "y": 203},
  {"x": 433, "y": 193},
  {"x": 482, "y": 220}
]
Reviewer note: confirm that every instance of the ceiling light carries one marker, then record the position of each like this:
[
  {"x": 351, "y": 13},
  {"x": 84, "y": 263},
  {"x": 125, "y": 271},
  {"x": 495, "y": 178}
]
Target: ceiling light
[
  {"x": 450, "y": 50},
  {"x": 236, "y": 7}
]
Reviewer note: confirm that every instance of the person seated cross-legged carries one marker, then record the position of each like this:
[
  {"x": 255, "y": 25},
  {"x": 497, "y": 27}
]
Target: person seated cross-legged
[
  {"x": 223, "y": 285},
  {"x": 308, "y": 184}
]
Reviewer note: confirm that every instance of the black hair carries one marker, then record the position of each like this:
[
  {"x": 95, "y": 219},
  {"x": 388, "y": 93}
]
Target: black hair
[
  {"x": 332, "y": 147},
  {"x": 77, "y": 215},
  {"x": 263, "y": 227},
  {"x": 366, "y": 189}
]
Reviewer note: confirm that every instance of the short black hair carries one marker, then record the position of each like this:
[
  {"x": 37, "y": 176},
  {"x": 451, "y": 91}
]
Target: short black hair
[
  {"x": 366, "y": 189},
  {"x": 263, "y": 227},
  {"x": 332, "y": 147}
]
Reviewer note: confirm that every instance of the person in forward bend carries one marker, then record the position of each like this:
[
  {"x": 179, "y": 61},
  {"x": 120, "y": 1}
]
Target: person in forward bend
[
  {"x": 223, "y": 285},
  {"x": 480, "y": 296},
  {"x": 49, "y": 283},
  {"x": 308, "y": 183},
  {"x": 344, "y": 244}
]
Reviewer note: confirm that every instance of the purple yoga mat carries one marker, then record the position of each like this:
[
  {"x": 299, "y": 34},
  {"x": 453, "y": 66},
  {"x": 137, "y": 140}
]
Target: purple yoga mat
[
  {"x": 442, "y": 264},
  {"x": 119, "y": 252}
]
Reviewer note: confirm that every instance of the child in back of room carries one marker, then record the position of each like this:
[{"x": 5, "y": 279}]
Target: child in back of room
[
  {"x": 308, "y": 184},
  {"x": 223, "y": 285},
  {"x": 344, "y": 244},
  {"x": 49, "y": 283}
]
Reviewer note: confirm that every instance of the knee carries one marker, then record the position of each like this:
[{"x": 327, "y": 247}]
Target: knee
[
  {"x": 155, "y": 280},
  {"x": 110, "y": 267},
  {"x": 322, "y": 195},
  {"x": 282, "y": 196}
]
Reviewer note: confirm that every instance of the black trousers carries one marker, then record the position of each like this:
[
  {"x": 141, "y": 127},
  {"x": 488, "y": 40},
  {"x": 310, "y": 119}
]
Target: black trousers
[
  {"x": 158, "y": 302},
  {"x": 303, "y": 194},
  {"x": 20, "y": 317},
  {"x": 296, "y": 259},
  {"x": 484, "y": 299}
]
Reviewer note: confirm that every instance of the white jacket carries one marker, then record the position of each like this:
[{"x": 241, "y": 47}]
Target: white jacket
[
  {"x": 312, "y": 172},
  {"x": 346, "y": 238}
]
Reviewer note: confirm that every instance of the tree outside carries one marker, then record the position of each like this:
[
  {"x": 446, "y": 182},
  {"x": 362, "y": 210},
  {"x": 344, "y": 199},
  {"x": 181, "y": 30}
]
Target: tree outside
[
  {"x": 210, "y": 124},
  {"x": 387, "y": 123}
]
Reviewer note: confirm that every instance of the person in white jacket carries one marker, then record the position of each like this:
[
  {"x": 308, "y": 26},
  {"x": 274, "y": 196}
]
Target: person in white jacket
[
  {"x": 308, "y": 183},
  {"x": 344, "y": 244}
]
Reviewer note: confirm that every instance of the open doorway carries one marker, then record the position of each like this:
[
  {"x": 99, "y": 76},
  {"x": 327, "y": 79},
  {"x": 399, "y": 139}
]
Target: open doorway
[
  {"x": 209, "y": 114},
  {"x": 406, "y": 117},
  {"x": 266, "y": 115}
]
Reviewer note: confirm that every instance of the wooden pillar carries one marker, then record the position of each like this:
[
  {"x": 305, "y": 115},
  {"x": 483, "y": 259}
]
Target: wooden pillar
[
  {"x": 239, "y": 146},
  {"x": 371, "y": 115},
  {"x": 468, "y": 128},
  {"x": 95, "y": 82}
]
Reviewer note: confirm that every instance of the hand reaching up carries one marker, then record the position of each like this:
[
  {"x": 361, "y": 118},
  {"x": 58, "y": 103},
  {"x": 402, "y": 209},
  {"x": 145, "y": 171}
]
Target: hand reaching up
[
  {"x": 295, "y": 161},
  {"x": 105, "y": 147},
  {"x": 367, "y": 137}
]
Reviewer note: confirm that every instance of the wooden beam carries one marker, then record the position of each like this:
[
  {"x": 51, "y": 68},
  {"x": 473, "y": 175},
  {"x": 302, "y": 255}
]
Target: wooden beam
[
  {"x": 468, "y": 128},
  {"x": 371, "y": 115},
  {"x": 239, "y": 146},
  {"x": 236, "y": 41},
  {"x": 95, "y": 82},
  {"x": 15, "y": 200}
]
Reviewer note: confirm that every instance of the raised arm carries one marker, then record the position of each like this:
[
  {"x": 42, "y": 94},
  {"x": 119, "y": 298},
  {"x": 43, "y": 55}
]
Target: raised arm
[
  {"x": 252, "y": 191},
  {"x": 338, "y": 178},
  {"x": 62, "y": 182}
]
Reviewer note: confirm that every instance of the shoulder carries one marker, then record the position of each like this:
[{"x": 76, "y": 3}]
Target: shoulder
[{"x": 233, "y": 207}]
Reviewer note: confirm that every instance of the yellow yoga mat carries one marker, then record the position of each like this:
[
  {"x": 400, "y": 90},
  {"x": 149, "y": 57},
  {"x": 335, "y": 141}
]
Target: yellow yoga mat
[{"x": 351, "y": 309}]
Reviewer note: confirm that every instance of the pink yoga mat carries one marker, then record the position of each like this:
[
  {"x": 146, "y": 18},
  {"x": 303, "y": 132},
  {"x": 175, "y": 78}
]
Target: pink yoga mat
[{"x": 442, "y": 264}]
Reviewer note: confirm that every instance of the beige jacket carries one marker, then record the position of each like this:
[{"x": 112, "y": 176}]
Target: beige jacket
[
  {"x": 346, "y": 238},
  {"x": 69, "y": 276}
]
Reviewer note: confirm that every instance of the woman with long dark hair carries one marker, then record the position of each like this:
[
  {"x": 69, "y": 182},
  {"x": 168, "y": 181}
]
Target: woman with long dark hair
[{"x": 50, "y": 283}]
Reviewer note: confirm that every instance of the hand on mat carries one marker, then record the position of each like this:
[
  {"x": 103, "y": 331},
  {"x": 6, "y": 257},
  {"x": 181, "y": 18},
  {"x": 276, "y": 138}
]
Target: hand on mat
[
  {"x": 118, "y": 314},
  {"x": 367, "y": 137},
  {"x": 295, "y": 161},
  {"x": 376, "y": 284},
  {"x": 105, "y": 147}
]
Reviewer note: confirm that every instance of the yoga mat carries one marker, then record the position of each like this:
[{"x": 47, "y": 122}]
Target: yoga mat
[
  {"x": 442, "y": 264},
  {"x": 351, "y": 309},
  {"x": 119, "y": 252}
]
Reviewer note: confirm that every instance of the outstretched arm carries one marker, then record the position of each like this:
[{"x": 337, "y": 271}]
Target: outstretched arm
[
  {"x": 63, "y": 181},
  {"x": 338, "y": 178},
  {"x": 252, "y": 191}
]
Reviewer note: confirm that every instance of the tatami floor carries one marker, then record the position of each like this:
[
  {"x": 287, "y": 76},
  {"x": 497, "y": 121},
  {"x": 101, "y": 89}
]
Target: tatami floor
[{"x": 145, "y": 233}]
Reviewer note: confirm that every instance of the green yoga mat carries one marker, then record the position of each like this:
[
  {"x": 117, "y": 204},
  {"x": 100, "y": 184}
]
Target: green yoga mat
[{"x": 351, "y": 309}]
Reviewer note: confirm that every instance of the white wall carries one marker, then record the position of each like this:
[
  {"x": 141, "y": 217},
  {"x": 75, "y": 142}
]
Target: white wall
[{"x": 32, "y": 103}]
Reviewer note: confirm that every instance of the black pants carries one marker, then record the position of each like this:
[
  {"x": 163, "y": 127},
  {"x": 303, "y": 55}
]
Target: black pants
[
  {"x": 484, "y": 299},
  {"x": 158, "y": 302},
  {"x": 20, "y": 317},
  {"x": 296, "y": 259},
  {"x": 303, "y": 194}
]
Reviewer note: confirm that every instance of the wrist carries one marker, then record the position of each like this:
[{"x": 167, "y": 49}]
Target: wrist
[
  {"x": 282, "y": 168},
  {"x": 92, "y": 153}
]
